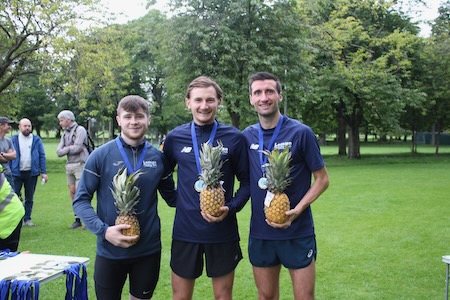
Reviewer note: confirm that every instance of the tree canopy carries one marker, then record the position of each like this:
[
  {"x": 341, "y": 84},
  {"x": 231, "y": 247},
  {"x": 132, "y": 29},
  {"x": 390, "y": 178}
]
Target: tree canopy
[{"x": 347, "y": 67}]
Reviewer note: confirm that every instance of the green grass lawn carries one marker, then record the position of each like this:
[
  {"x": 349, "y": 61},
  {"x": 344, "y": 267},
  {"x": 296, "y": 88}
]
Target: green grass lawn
[{"x": 382, "y": 228}]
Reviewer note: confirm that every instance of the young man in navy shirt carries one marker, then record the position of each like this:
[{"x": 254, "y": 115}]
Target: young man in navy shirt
[
  {"x": 117, "y": 256},
  {"x": 293, "y": 243},
  {"x": 196, "y": 234}
]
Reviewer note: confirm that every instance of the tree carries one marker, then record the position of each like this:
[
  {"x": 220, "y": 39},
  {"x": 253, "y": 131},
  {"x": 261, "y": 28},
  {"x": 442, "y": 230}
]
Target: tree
[
  {"x": 229, "y": 40},
  {"x": 90, "y": 72},
  {"x": 147, "y": 46},
  {"x": 436, "y": 75},
  {"x": 26, "y": 29},
  {"x": 34, "y": 101},
  {"x": 364, "y": 54}
]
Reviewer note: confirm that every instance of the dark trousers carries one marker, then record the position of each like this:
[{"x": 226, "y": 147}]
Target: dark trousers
[
  {"x": 12, "y": 241},
  {"x": 28, "y": 182}
]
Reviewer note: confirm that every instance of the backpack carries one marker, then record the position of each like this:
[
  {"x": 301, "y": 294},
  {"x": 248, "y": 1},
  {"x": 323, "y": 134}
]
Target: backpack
[{"x": 88, "y": 143}]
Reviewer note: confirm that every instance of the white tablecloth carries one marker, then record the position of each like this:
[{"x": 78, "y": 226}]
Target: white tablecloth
[{"x": 40, "y": 267}]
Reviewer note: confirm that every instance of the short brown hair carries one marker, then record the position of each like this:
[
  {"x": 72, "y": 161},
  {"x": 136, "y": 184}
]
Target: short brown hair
[
  {"x": 204, "y": 82},
  {"x": 133, "y": 103}
]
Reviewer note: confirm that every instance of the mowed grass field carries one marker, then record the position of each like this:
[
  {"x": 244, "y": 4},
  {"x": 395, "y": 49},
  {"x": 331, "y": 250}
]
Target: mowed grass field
[{"x": 382, "y": 227}]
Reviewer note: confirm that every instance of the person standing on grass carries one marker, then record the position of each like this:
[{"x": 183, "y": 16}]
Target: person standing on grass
[
  {"x": 197, "y": 234},
  {"x": 11, "y": 214},
  {"x": 292, "y": 244},
  {"x": 30, "y": 162},
  {"x": 117, "y": 257},
  {"x": 72, "y": 144},
  {"x": 7, "y": 151}
]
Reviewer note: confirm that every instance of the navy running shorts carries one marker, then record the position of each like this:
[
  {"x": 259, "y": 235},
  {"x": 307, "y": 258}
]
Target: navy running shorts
[{"x": 292, "y": 254}]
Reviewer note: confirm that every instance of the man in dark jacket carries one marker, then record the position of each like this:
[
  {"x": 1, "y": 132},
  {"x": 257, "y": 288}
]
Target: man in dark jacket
[{"x": 29, "y": 164}]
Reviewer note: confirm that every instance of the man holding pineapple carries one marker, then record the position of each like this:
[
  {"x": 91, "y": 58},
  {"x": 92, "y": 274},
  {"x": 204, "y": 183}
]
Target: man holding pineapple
[
  {"x": 209, "y": 155},
  {"x": 284, "y": 154},
  {"x": 126, "y": 173}
]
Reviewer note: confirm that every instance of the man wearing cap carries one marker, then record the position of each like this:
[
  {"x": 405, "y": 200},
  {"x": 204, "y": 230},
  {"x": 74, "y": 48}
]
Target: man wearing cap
[
  {"x": 72, "y": 144},
  {"x": 29, "y": 164},
  {"x": 7, "y": 151}
]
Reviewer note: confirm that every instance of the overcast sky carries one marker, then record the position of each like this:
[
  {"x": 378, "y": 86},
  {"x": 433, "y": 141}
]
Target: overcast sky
[{"x": 133, "y": 9}]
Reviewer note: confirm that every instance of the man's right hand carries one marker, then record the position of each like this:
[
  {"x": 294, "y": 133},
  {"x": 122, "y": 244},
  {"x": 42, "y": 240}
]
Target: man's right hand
[{"x": 114, "y": 236}]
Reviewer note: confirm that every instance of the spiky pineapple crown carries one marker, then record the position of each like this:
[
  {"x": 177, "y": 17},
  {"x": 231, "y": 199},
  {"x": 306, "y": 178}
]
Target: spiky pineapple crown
[
  {"x": 125, "y": 191},
  {"x": 211, "y": 163},
  {"x": 277, "y": 170}
]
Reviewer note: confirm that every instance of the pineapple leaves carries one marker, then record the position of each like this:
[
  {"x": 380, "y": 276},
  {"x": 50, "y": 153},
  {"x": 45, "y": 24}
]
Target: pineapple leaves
[
  {"x": 278, "y": 170},
  {"x": 211, "y": 164},
  {"x": 125, "y": 191}
]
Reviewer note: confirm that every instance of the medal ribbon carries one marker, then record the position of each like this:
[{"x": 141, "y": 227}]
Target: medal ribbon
[
  {"x": 195, "y": 145},
  {"x": 263, "y": 158},
  {"x": 125, "y": 157}
]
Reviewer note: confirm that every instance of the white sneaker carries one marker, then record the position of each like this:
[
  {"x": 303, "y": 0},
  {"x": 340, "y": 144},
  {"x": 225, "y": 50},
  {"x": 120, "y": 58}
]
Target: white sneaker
[{"x": 28, "y": 223}]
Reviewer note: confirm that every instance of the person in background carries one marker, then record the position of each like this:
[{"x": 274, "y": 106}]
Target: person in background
[
  {"x": 7, "y": 151},
  {"x": 196, "y": 234},
  {"x": 72, "y": 144},
  {"x": 292, "y": 244},
  {"x": 30, "y": 162},
  {"x": 11, "y": 214}
]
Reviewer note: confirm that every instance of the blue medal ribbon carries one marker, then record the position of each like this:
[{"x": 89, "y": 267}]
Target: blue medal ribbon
[
  {"x": 195, "y": 145},
  {"x": 130, "y": 169},
  {"x": 73, "y": 277},
  {"x": 263, "y": 158}
]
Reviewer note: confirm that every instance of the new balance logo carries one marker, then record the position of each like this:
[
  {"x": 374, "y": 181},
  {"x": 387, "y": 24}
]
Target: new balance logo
[{"x": 186, "y": 150}]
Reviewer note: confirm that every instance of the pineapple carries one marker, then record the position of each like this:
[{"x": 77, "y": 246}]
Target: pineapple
[
  {"x": 212, "y": 196},
  {"x": 278, "y": 178},
  {"x": 126, "y": 195}
]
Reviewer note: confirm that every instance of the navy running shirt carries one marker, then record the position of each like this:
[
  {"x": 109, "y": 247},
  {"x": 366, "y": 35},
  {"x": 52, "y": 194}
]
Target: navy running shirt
[
  {"x": 306, "y": 158},
  {"x": 189, "y": 225}
]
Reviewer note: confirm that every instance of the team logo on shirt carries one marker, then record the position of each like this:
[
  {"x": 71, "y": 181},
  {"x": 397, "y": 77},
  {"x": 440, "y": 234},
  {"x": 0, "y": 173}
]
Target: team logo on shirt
[
  {"x": 186, "y": 149},
  {"x": 282, "y": 146},
  {"x": 254, "y": 146},
  {"x": 150, "y": 163}
]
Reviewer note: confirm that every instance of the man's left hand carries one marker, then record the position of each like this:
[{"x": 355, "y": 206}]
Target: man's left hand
[{"x": 211, "y": 219}]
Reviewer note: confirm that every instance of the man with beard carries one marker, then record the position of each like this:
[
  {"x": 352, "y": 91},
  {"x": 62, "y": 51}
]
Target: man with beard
[{"x": 29, "y": 164}]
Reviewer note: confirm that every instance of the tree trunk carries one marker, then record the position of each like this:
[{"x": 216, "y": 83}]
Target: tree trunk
[
  {"x": 414, "y": 142},
  {"x": 341, "y": 136},
  {"x": 353, "y": 143},
  {"x": 322, "y": 139},
  {"x": 235, "y": 118}
]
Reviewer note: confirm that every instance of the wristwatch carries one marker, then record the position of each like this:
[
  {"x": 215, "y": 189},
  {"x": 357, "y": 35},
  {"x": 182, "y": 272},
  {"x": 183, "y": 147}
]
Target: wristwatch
[{"x": 1, "y": 153}]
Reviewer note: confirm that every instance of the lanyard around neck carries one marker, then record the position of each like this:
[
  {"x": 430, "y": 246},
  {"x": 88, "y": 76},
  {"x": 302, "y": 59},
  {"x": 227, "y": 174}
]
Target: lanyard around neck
[
  {"x": 195, "y": 145},
  {"x": 263, "y": 158},
  {"x": 130, "y": 169}
]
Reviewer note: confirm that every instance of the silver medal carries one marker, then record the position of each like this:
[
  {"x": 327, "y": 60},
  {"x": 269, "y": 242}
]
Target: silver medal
[
  {"x": 199, "y": 185},
  {"x": 262, "y": 183}
]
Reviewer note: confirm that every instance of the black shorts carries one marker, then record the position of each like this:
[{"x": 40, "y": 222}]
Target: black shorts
[
  {"x": 187, "y": 258},
  {"x": 110, "y": 276}
]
